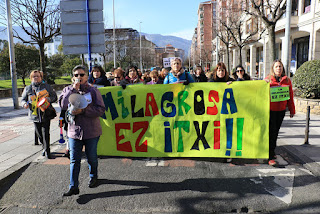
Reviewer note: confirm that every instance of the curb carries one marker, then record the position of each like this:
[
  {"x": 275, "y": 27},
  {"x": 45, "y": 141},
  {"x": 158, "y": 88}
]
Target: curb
[
  {"x": 306, "y": 162},
  {"x": 7, "y": 173}
]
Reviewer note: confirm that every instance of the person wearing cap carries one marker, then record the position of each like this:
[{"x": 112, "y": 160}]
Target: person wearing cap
[
  {"x": 84, "y": 129},
  {"x": 39, "y": 116}
]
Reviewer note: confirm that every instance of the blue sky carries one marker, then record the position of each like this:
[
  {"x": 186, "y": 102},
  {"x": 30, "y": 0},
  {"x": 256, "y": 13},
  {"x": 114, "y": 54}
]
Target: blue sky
[{"x": 166, "y": 17}]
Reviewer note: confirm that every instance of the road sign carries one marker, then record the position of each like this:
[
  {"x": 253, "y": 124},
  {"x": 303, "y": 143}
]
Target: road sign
[{"x": 74, "y": 26}]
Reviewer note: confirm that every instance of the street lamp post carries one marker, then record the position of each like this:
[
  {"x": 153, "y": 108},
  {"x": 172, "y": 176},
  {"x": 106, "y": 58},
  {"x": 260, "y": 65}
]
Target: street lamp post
[
  {"x": 12, "y": 58},
  {"x": 140, "y": 48},
  {"x": 286, "y": 47},
  {"x": 114, "y": 39}
]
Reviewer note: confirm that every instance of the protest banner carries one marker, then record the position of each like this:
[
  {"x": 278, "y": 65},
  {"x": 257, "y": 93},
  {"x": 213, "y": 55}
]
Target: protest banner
[{"x": 196, "y": 120}]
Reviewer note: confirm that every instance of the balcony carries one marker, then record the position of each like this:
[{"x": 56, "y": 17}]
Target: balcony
[{"x": 281, "y": 24}]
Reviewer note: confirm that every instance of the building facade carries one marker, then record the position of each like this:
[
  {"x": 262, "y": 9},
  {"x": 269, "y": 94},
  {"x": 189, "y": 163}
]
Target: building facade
[
  {"x": 202, "y": 47},
  {"x": 52, "y": 47},
  {"x": 167, "y": 52},
  {"x": 304, "y": 40}
]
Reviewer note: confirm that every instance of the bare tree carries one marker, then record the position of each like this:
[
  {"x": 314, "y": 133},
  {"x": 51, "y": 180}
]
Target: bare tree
[
  {"x": 39, "y": 19},
  {"x": 225, "y": 36},
  {"x": 270, "y": 12},
  {"x": 241, "y": 32}
]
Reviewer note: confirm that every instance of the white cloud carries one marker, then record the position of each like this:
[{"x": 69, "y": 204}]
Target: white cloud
[{"x": 185, "y": 34}]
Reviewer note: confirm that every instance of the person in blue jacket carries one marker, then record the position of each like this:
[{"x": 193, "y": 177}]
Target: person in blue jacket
[{"x": 177, "y": 74}]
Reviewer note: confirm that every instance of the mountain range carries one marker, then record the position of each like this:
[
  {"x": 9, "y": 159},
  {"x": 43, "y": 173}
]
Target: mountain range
[
  {"x": 158, "y": 39},
  {"x": 162, "y": 41}
]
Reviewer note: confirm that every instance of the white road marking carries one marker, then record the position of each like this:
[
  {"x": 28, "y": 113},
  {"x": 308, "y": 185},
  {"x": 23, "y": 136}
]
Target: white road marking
[
  {"x": 278, "y": 182},
  {"x": 151, "y": 163},
  {"x": 161, "y": 163}
]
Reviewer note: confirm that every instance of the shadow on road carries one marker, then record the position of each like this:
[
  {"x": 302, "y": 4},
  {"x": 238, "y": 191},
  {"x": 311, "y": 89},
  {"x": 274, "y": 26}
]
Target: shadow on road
[{"x": 7, "y": 182}]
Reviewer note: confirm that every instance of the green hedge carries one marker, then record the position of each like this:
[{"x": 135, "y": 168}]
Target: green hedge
[{"x": 307, "y": 79}]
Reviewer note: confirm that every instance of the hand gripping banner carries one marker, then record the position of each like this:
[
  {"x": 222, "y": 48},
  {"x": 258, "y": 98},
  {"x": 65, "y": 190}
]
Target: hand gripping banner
[{"x": 195, "y": 120}]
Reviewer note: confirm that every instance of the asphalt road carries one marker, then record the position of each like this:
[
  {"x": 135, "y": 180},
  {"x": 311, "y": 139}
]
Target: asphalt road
[{"x": 163, "y": 186}]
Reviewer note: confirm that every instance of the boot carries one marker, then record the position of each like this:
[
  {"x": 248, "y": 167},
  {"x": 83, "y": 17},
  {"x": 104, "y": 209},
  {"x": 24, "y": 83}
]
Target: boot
[
  {"x": 48, "y": 154},
  {"x": 36, "y": 139}
]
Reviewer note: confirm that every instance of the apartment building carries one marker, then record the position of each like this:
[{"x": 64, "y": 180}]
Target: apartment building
[
  {"x": 304, "y": 40},
  {"x": 167, "y": 52},
  {"x": 205, "y": 32}
]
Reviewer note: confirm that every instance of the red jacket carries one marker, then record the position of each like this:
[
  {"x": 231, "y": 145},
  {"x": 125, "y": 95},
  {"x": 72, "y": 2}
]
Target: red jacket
[{"x": 281, "y": 106}]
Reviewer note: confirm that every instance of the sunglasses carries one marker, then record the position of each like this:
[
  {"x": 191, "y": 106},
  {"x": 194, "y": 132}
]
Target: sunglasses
[
  {"x": 81, "y": 75},
  {"x": 117, "y": 77},
  {"x": 240, "y": 70}
]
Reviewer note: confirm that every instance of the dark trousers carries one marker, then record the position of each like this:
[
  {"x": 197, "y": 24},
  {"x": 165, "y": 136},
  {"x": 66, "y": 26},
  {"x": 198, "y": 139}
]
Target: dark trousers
[
  {"x": 43, "y": 132},
  {"x": 276, "y": 118}
]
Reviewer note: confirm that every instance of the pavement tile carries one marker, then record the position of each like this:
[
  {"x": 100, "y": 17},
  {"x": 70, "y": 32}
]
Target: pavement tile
[
  {"x": 180, "y": 163},
  {"x": 57, "y": 161}
]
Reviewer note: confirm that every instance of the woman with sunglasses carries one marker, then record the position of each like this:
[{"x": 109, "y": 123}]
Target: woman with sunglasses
[
  {"x": 84, "y": 129},
  {"x": 240, "y": 74},
  {"x": 98, "y": 77},
  {"x": 118, "y": 76}
]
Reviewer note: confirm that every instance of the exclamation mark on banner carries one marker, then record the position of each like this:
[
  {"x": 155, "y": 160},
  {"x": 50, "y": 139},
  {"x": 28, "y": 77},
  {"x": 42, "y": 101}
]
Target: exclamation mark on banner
[
  {"x": 240, "y": 122},
  {"x": 167, "y": 139},
  {"x": 229, "y": 127},
  {"x": 216, "y": 144}
]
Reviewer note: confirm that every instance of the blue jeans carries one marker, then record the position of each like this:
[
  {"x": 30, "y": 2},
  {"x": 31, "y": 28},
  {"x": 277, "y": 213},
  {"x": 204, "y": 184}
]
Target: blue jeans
[{"x": 75, "y": 158}]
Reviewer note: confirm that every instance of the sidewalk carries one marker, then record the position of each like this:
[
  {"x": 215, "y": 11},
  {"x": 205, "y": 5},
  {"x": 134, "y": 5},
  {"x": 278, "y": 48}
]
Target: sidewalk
[
  {"x": 292, "y": 136},
  {"x": 17, "y": 147}
]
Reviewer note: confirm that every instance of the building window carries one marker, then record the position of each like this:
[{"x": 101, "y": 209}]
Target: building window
[
  {"x": 307, "y": 6},
  {"x": 302, "y": 50},
  {"x": 249, "y": 26}
]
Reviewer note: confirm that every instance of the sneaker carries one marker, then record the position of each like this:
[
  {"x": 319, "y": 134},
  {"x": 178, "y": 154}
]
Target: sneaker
[{"x": 272, "y": 162}]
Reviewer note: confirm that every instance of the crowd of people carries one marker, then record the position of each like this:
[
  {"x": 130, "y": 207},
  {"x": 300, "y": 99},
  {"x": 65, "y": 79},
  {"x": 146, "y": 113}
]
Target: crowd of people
[
  {"x": 165, "y": 76},
  {"x": 84, "y": 127}
]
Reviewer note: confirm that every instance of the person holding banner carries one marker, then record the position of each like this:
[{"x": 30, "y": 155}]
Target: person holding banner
[
  {"x": 84, "y": 129},
  {"x": 177, "y": 74},
  {"x": 277, "y": 78},
  {"x": 40, "y": 91},
  {"x": 240, "y": 74},
  {"x": 220, "y": 74}
]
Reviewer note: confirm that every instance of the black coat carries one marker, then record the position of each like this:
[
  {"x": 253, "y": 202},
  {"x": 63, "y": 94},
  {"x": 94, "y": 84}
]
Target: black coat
[
  {"x": 102, "y": 80},
  {"x": 201, "y": 78},
  {"x": 220, "y": 80}
]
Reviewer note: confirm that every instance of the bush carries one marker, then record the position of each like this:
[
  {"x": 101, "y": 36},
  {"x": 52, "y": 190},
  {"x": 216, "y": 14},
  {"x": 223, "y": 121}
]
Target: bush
[{"x": 307, "y": 79}]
